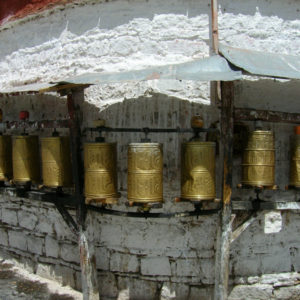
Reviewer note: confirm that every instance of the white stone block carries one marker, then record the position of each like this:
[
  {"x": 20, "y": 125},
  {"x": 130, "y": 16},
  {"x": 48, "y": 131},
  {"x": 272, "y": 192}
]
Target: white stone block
[
  {"x": 70, "y": 253},
  {"x": 200, "y": 293},
  {"x": 51, "y": 247},
  {"x": 102, "y": 258},
  {"x": 124, "y": 263},
  {"x": 156, "y": 266},
  {"x": 138, "y": 289},
  {"x": 174, "y": 291},
  {"x": 27, "y": 219},
  {"x": 17, "y": 239},
  {"x": 35, "y": 244},
  {"x": 108, "y": 285},
  {"x": 45, "y": 271},
  {"x": 111, "y": 234},
  {"x": 188, "y": 267},
  {"x": 3, "y": 237},
  {"x": 273, "y": 222},
  {"x": 252, "y": 292},
  {"x": 65, "y": 275},
  {"x": 287, "y": 293},
  {"x": 9, "y": 216}
]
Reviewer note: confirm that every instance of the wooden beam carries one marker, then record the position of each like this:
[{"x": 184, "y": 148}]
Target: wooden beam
[
  {"x": 239, "y": 230},
  {"x": 225, "y": 229},
  {"x": 89, "y": 280},
  {"x": 214, "y": 26}
]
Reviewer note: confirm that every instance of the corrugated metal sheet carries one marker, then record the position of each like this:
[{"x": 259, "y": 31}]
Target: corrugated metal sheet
[
  {"x": 213, "y": 68},
  {"x": 263, "y": 63}
]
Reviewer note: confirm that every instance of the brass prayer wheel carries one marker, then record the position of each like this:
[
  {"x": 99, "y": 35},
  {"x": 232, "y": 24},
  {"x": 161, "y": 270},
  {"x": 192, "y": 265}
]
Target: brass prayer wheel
[
  {"x": 25, "y": 154},
  {"x": 5, "y": 157},
  {"x": 295, "y": 162},
  {"x": 100, "y": 167},
  {"x": 145, "y": 172},
  {"x": 198, "y": 171},
  {"x": 56, "y": 161},
  {"x": 258, "y": 166}
]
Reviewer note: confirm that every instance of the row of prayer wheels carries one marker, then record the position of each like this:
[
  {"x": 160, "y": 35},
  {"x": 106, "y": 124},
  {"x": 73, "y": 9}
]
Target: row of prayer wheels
[
  {"x": 258, "y": 166},
  {"x": 145, "y": 171},
  {"x": 19, "y": 159}
]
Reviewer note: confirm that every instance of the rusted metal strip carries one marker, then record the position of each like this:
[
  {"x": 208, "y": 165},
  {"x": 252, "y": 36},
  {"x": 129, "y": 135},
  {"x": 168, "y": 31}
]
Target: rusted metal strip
[
  {"x": 249, "y": 114},
  {"x": 67, "y": 217},
  {"x": 224, "y": 233}
]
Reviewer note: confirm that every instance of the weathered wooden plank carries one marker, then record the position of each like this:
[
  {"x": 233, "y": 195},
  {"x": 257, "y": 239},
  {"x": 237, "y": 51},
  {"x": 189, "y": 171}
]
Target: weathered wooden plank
[
  {"x": 87, "y": 257},
  {"x": 225, "y": 229}
]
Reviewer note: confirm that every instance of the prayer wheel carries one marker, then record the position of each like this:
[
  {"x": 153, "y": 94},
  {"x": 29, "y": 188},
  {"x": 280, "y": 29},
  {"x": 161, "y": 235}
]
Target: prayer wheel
[
  {"x": 56, "y": 161},
  {"x": 5, "y": 158},
  {"x": 258, "y": 167},
  {"x": 145, "y": 173},
  {"x": 198, "y": 171},
  {"x": 25, "y": 155},
  {"x": 295, "y": 162},
  {"x": 100, "y": 167}
]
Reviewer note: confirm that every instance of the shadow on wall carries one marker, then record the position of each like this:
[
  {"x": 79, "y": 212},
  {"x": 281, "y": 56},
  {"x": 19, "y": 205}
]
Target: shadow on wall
[
  {"x": 269, "y": 245},
  {"x": 272, "y": 94}
]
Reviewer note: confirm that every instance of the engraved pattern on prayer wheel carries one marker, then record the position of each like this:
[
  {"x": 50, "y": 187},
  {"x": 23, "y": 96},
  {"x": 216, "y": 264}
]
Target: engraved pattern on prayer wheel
[
  {"x": 198, "y": 170},
  {"x": 258, "y": 166},
  {"x": 56, "y": 161},
  {"x": 145, "y": 172},
  {"x": 25, "y": 154},
  {"x": 100, "y": 165},
  {"x": 5, "y": 157},
  {"x": 295, "y": 162}
]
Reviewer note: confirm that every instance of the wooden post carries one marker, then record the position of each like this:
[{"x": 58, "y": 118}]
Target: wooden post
[
  {"x": 214, "y": 50},
  {"x": 225, "y": 228},
  {"x": 87, "y": 257}
]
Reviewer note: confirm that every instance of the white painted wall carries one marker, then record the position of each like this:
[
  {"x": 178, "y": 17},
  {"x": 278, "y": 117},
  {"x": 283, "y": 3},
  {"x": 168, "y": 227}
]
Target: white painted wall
[{"x": 148, "y": 258}]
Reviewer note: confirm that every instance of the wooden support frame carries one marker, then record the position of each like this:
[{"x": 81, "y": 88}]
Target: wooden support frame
[
  {"x": 87, "y": 256},
  {"x": 249, "y": 114},
  {"x": 226, "y": 219}
]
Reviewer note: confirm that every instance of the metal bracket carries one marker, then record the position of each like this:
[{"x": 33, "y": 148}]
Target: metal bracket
[{"x": 67, "y": 217}]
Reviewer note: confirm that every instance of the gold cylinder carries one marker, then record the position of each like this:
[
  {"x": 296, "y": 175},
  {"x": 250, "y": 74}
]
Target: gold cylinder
[
  {"x": 56, "y": 161},
  {"x": 145, "y": 172},
  {"x": 295, "y": 162},
  {"x": 5, "y": 157},
  {"x": 100, "y": 167},
  {"x": 25, "y": 153},
  {"x": 198, "y": 171},
  {"x": 258, "y": 167}
]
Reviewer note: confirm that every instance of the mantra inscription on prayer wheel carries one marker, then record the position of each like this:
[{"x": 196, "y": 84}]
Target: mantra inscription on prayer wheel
[
  {"x": 56, "y": 161},
  {"x": 5, "y": 157},
  {"x": 259, "y": 159},
  {"x": 25, "y": 154},
  {"x": 100, "y": 167},
  {"x": 198, "y": 171},
  {"x": 295, "y": 162},
  {"x": 145, "y": 172}
]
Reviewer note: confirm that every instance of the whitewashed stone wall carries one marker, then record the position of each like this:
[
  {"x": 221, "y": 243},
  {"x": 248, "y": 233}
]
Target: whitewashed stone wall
[{"x": 148, "y": 259}]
